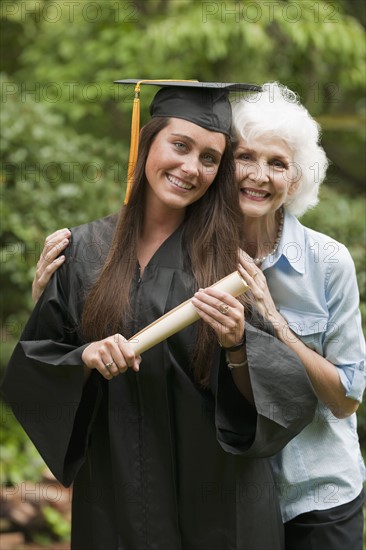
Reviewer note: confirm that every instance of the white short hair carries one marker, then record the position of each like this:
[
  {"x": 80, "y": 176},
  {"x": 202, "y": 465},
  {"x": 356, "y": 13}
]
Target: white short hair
[{"x": 277, "y": 111}]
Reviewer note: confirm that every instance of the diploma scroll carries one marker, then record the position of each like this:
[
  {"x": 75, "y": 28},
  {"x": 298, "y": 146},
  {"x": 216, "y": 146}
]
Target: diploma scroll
[{"x": 181, "y": 316}]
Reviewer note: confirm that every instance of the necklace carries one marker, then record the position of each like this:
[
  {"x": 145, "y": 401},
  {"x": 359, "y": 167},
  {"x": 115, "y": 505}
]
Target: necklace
[{"x": 260, "y": 259}]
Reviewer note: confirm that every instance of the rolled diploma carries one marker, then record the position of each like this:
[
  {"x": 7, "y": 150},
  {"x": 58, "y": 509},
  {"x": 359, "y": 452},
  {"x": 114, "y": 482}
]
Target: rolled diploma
[{"x": 181, "y": 316}]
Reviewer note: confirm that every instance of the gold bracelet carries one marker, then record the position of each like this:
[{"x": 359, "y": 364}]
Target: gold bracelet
[{"x": 232, "y": 366}]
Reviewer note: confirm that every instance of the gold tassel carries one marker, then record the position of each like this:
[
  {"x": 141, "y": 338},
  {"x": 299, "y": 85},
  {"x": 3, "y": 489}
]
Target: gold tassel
[{"x": 134, "y": 143}]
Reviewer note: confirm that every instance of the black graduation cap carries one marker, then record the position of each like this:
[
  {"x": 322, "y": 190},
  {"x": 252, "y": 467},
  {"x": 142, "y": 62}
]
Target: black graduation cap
[{"x": 203, "y": 103}]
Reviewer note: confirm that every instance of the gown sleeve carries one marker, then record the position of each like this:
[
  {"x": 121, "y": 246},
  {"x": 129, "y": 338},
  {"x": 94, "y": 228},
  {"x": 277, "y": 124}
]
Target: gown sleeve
[
  {"x": 43, "y": 382},
  {"x": 284, "y": 399}
]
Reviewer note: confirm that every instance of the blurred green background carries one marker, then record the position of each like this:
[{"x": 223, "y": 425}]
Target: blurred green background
[{"x": 65, "y": 125}]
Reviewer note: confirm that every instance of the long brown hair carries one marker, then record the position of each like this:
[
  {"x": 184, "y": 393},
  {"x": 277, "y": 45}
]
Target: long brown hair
[{"x": 211, "y": 238}]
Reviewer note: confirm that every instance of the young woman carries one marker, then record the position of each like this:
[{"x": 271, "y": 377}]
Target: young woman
[
  {"x": 162, "y": 449},
  {"x": 304, "y": 282}
]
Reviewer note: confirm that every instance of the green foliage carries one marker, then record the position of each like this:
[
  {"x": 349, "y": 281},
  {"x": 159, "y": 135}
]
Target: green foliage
[
  {"x": 361, "y": 424},
  {"x": 345, "y": 144},
  {"x": 52, "y": 177},
  {"x": 58, "y": 525},
  {"x": 315, "y": 47},
  {"x": 19, "y": 458}
]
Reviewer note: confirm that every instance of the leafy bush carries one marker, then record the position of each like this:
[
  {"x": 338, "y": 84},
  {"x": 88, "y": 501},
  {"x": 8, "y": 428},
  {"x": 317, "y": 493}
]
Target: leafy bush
[
  {"x": 52, "y": 178},
  {"x": 19, "y": 458}
]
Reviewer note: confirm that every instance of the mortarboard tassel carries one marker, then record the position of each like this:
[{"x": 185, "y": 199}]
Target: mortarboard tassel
[{"x": 134, "y": 143}]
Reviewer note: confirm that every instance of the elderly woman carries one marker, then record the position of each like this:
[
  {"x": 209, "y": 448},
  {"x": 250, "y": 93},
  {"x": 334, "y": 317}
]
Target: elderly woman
[{"x": 304, "y": 282}]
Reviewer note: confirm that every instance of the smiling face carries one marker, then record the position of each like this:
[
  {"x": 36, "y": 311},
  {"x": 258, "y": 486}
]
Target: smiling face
[
  {"x": 182, "y": 163},
  {"x": 266, "y": 175}
]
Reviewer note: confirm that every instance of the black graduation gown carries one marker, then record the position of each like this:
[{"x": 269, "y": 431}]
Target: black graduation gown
[{"x": 157, "y": 463}]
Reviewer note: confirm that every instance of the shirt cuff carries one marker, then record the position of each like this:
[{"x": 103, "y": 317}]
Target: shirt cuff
[{"x": 353, "y": 379}]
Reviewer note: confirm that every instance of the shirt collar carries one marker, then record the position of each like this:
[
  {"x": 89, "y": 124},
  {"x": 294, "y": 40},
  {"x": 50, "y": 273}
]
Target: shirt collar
[{"x": 291, "y": 246}]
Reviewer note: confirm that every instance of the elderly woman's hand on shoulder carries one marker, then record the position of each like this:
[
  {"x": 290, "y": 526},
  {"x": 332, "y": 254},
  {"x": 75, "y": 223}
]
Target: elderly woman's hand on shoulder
[{"x": 50, "y": 260}]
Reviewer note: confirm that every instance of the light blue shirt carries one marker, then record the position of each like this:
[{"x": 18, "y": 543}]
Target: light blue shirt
[{"x": 313, "y": 283}]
